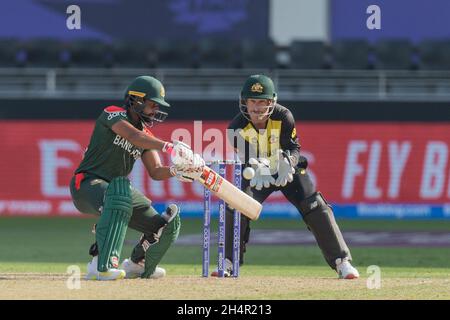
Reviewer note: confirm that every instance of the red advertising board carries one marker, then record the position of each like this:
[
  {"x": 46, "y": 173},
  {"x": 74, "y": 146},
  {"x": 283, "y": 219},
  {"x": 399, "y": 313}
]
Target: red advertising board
[{"x": 395, "y": 163}]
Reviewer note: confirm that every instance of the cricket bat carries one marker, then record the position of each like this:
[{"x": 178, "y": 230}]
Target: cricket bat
[{"x": 225, "y": 190}]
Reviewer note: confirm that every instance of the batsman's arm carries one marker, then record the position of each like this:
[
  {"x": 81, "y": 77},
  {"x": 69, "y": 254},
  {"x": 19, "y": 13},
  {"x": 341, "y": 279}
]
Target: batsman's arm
[
  {"x": 152, "y": 162},
  {"x": 139, "y": 138}
]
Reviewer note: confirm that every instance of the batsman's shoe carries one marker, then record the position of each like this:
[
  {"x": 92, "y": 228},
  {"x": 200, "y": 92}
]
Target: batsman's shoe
[
  {"x": 171, "y": 212},
  {"x": 345, "y": 270},
  {"x": 110, "y": 274},
  {"x": 158, "y": 273},
  {"x": 135, "y": 270},
  {"x": 227, "y": 272}
]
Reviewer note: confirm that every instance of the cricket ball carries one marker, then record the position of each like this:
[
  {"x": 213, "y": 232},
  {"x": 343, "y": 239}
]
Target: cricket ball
[{"x": 248, "y": 173}]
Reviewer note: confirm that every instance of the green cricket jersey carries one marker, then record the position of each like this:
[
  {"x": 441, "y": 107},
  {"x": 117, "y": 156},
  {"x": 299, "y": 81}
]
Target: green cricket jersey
[{"x": 108, "y": 154}]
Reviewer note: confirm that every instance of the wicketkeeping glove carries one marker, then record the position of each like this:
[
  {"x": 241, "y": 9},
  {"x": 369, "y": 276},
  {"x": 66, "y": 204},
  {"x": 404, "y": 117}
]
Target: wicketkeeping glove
[
  {"x": 262, "y": 177},
  {"x": 285, "y": 169}
]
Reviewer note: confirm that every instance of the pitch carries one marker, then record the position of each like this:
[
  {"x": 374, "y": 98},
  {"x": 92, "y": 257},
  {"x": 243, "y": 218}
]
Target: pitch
[{"x": 35, "y": 254}]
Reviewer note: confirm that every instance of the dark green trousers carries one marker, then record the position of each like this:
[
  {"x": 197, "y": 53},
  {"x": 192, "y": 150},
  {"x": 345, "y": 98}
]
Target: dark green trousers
[{"x": 89, "y": 198}]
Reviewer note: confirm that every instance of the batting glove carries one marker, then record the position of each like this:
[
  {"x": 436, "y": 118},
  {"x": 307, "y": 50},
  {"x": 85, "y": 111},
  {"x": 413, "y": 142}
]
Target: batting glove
[
  {"x": 188, "y": 171},
  {"x": 181, "y": 153}
]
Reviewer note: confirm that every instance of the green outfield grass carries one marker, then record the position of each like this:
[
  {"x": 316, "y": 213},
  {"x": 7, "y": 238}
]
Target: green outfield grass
[
  {"x": 67, "y": 240},
  {"x": 50, "y": 245}
]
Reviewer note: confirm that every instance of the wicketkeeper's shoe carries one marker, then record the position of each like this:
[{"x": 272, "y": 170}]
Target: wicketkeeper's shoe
[
  {"x": 171, "y": 212},
  {"x": 345, "y": 270},
  {"x": 135, "y": 270},
  {"x": 110, "y": 274},
  {"x": 227, "y": 272}
]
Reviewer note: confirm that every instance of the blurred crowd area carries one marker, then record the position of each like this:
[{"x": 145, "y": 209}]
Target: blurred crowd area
[
  {"x": 204, "y": 49},
  {"x": 352, "y": 54},
  {"x": 226, "y": 34}
]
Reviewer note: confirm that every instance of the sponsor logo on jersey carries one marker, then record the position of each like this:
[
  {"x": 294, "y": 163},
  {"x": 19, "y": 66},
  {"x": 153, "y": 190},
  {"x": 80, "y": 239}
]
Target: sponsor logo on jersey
[
  {"x": 114, "y": 111},
  {"x": 127, "y": 146},
  {"x": 114, "y": 114}
]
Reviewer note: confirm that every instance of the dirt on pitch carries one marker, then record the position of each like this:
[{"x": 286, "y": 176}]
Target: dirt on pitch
[{"x": 55, "y": 286}]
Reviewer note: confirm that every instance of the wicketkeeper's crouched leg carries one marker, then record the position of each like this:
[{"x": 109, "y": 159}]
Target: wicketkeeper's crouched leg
[{"x": 320, "y": 220}]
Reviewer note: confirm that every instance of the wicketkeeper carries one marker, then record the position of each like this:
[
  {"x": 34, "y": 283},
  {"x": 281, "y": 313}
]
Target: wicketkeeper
[
  {"x": 100, "y": 185},
  {"x": 264, "y": 136}
]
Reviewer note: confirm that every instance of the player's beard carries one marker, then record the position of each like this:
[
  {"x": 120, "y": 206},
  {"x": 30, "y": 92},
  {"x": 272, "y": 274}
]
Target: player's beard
[
  {"x": 149, "y": 120},
  {"x": 137, "y": 106}
]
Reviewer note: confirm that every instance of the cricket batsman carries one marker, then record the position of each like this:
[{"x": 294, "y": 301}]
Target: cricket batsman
[
  {"x": 100, "y": 185},
  {"x": 264, "y": 136}
]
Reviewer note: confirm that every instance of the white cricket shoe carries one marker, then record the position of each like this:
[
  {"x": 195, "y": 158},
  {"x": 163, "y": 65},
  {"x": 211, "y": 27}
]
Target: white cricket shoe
[
  {"x": 135, "y": 270},
  {"x": 110, "y": 274},
  {"x": 345, "y": 270},
  {"x": 228, "y": 269},
  {"x": 158, "y": 273}
]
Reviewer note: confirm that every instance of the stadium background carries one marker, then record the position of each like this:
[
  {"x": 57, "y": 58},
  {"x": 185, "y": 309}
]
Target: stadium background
[{"x": 371, "y": 105}]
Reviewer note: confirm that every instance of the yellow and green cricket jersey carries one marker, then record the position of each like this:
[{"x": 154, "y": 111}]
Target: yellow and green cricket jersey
[{"x": 279, "y": 133}]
